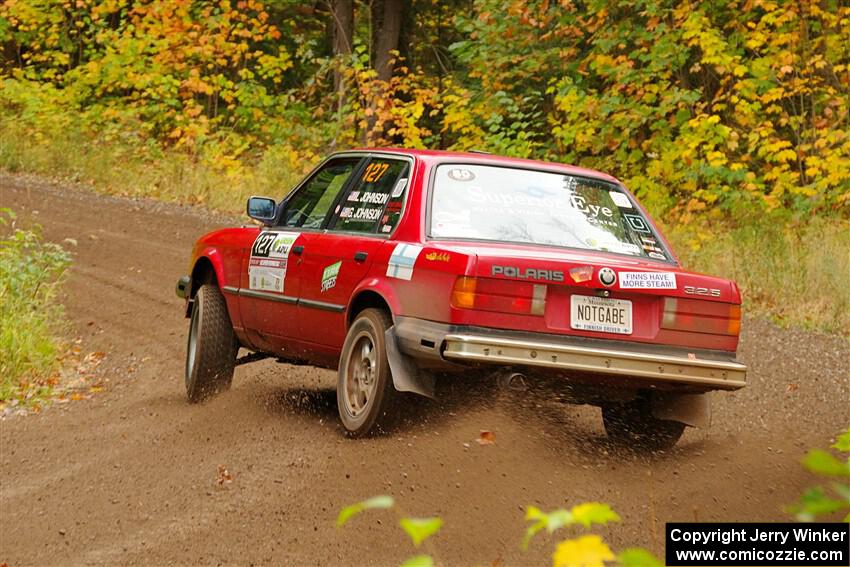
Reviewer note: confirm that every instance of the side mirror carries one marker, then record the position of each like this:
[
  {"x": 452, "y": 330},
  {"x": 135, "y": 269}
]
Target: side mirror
[{"x": 262, "y": 209}]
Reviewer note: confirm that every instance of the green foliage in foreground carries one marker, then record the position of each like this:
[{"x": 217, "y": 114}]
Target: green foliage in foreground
[
  {"x": 585, "y": 514},
  {"x": 587, "y": 550},
  {"x": 824, "y": 504},
  {"x": 30, "y": 316},
  {"x": 376, "y": 503}
]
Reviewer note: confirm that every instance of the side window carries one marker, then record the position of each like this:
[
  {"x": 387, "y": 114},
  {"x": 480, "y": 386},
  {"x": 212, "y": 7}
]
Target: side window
[
  {"x": 374, "y": 202},
  {"x": 310, "y": 205}
]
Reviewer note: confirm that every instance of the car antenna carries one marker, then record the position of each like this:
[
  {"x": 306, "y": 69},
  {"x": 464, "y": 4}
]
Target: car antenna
[{"x": 480, "y": 152}]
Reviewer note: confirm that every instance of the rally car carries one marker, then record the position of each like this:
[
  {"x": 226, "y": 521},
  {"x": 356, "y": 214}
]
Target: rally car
[{"x": 398, "y": 266}]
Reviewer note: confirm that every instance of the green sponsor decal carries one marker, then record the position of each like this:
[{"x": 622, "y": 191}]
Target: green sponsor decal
[{"x": 329, "y": 276}]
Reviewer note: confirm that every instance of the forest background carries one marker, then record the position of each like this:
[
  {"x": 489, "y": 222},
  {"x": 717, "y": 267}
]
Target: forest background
[{"x": 729, "y": 119}]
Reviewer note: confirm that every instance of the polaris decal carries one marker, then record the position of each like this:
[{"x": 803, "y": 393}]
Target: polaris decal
[{"x": 527, "y": 273}]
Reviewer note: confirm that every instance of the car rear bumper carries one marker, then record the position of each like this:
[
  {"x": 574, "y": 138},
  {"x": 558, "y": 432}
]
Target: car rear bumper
[{"x": 428, "y": 340}]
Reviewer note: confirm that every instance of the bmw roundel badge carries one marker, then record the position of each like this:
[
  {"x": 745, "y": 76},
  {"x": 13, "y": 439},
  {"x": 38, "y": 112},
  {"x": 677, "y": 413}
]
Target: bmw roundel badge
[{"x": 607, "y": 277}]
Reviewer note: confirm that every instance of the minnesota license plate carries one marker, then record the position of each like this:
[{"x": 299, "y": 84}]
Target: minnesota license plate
[{"x": 589, "y": 313}]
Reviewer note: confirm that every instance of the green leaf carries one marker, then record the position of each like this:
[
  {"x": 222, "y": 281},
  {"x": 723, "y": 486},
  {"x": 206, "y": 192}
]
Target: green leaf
[
  {"x": 821, "y": 462},
  {"x": 594, "y": 513},
  {"x": 558, "y": 519},
  {"x": 843, "y": 491},
  {"x": 585, "y": 514},
  {"x": 843, "y": 442},
  {"x": 377, "y": 502},
  {"x": 420, "y": 529},
  {"x": 638, "y": 557},
  {"x": 419, "y": 561},
  {"x": 540, "y": 519},
  {"x": 813, "y": 503},
  {"x": 534, "y": 513}
]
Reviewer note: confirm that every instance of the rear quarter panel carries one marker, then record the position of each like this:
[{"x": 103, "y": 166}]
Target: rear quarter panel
[{"x": 427, "y": 294}]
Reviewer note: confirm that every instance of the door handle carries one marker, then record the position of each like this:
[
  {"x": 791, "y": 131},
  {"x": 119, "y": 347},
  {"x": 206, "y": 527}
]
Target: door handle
[
  {"x": 298, "y": 249},
  {"x": 360, "y": 256}
]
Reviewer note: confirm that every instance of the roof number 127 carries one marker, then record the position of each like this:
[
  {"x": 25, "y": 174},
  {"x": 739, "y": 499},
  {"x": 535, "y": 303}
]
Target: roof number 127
[{"x": 374, "y": 172}]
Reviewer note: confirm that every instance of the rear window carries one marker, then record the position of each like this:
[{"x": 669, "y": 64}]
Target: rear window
[{"x": 479, "y": 202}]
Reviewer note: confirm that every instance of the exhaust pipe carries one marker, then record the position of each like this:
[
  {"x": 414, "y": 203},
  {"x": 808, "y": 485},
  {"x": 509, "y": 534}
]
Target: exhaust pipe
[{"x": 512, "y": 381}]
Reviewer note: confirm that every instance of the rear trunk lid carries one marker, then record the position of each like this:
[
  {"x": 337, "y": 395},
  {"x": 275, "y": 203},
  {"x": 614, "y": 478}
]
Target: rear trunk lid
[{"x": 597, "y": 294}]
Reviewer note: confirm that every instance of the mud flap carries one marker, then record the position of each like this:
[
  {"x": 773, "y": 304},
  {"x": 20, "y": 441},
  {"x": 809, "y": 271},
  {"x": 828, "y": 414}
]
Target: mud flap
[
  {"x": 406, "y": 376},
  {"x": 691, "y": 409}
]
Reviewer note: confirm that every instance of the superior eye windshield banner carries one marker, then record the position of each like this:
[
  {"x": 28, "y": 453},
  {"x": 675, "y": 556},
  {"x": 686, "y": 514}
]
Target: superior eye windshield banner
[{"x": 763, "y": 544}]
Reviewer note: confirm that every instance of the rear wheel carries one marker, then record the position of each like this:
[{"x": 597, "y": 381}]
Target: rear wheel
[
  {"x": 365, "y": 395},
  {"x": 632, "y": 423},
  {"x": 211, "y": 352}
]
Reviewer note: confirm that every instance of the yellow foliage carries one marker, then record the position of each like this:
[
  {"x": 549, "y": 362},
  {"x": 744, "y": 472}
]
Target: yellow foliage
[
  {"x": 584, "y": 551},
  {"x": 699, "y": 108}
]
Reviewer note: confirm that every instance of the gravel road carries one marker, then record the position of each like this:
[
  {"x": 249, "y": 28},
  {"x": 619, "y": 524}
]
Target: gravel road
[{"x": 129, "y": 476}]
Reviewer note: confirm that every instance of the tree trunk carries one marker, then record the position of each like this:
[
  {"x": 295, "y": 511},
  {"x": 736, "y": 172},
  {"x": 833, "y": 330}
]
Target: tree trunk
[
  {"x": 387, "y": 16},
  {"x": 342, "y": 12}
]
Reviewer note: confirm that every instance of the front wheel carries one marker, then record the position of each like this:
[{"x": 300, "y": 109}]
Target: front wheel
[
  {"x": 211, "y": 352},
  {"x": 365, "y": 395},
  {"x": 632, "y": 423}
]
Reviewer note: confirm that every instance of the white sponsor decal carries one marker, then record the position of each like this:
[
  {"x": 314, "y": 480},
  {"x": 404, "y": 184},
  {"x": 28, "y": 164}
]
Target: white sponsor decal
[
  {"x": 626, "y": 248},
  {"x": 269, "y": 256},
  {"x": 460, "y": 174},
  {"x": 620, "y": 199},
  {"x": 399, "y": 188},
  {"x": 647, "y": 280},
  {"x": 374, "y": 198},
  {"x": 370, "y": 215},
  {"x": 638, "y": 224},
  {"x": 402, "y": 260},
  {"x": 529, "y": 203}
]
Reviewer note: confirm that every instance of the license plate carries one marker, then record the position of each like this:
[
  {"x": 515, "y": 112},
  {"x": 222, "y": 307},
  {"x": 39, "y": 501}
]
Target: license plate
[{"x": 589, "y": 313}]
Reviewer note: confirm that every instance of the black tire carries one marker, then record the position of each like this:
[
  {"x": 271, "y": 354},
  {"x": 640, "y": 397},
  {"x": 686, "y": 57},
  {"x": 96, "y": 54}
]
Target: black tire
[
  {"x": 632, "y": 424},
  {"x": 365, "y": 396},
  {"x": 211, "y": 349}
]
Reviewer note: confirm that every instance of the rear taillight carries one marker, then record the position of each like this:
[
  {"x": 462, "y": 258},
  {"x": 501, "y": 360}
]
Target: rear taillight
[
  {"x": 696, "y": 316},
  {"x": 733, "y": 327},
  {"x": 463, "y": 293},
  {"x": 504, "y": 296}
]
